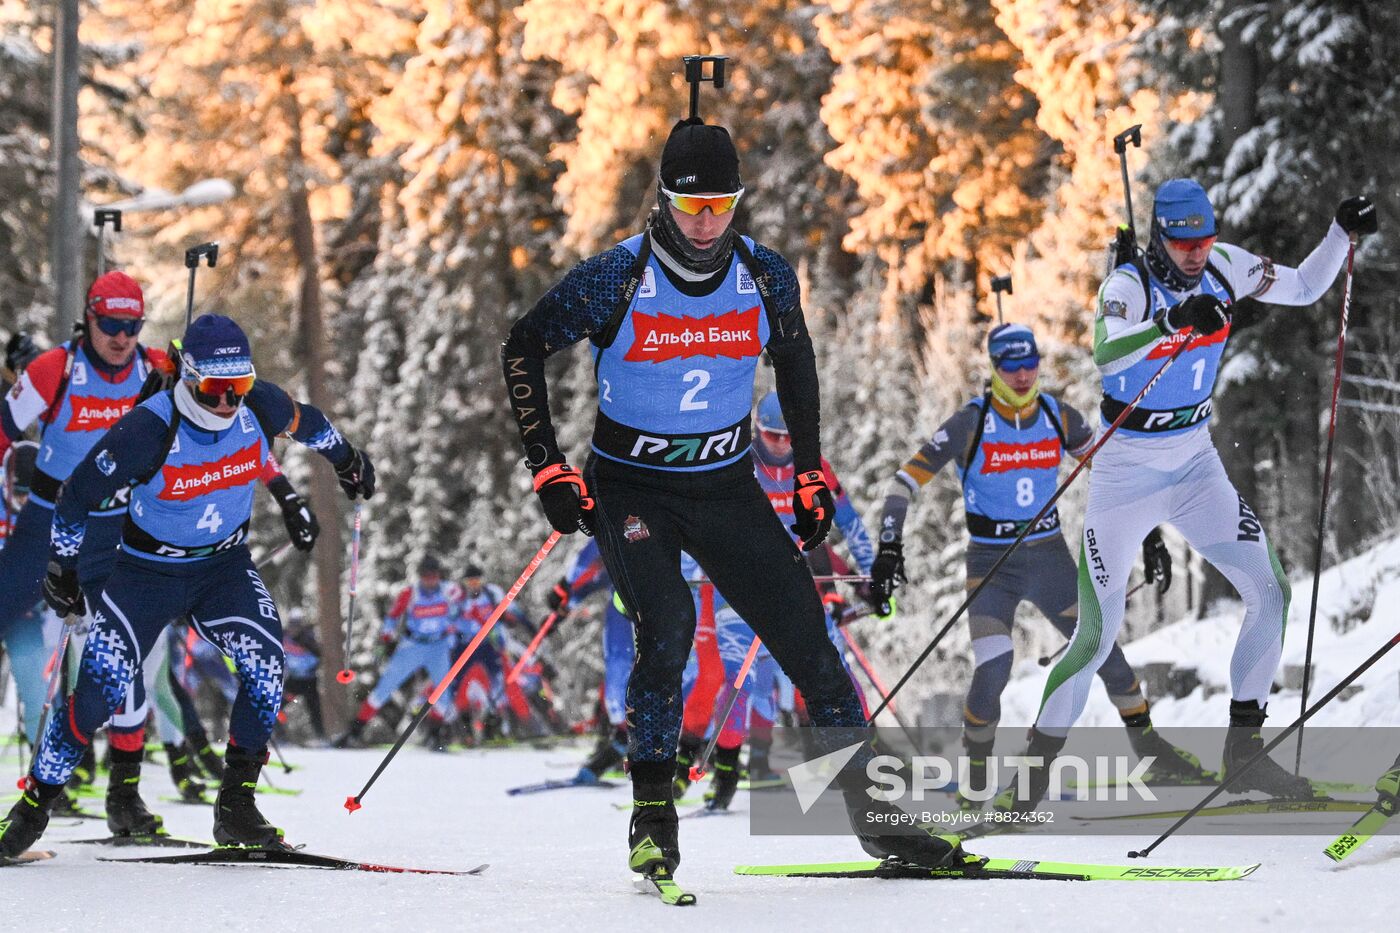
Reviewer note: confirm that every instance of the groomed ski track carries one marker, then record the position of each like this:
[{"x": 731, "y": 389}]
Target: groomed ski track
[{"x": 558, "y": 862}]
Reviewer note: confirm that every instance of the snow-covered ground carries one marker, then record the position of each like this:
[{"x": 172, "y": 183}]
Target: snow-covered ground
[
  {"x": 558, "y": 859},
  {"x": 1365, "y": 591},
  {"x": 558, "y": 862}
]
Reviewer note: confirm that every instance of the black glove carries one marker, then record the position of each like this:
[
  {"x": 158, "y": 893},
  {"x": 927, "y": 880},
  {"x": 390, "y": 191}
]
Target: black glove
[
  {"x": 301, "y": 523},
  {"x": 62, "y": 592},
  {"x": 557, "y": 598},
  {"x": 565, "y": 498},
  {"x": 886, "y": 574},
  {"x": 1156, "y": 561},
  {"x": 356, "y": 475},
  {"x": 19, "y": 352},
  {"x": 813, "y": 508},
  {"x": 1357, "y": 216},
  {"x": 1204, "y": 313}
]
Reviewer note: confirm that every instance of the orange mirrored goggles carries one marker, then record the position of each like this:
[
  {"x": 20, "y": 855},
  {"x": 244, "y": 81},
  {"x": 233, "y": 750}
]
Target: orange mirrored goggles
[
  {"x": 218, "y": 386},
  {"x": 695, "y": 203},
  {"x": 1194, "y": 243}
]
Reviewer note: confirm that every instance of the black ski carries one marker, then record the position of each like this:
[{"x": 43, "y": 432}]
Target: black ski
[
  {"x": 27, "y": 858},
  {"x": 145, "y": 840},
  {"x": 284, "y": 858}
]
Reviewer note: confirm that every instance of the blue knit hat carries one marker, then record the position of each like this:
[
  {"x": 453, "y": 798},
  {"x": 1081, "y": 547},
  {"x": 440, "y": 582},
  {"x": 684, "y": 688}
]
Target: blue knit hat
[
  {"x": 1182, "y": 211},
  {"x": 216, "y": 346},
  {"x": 1012, "y": 343},
  {"x": 770, "y": 415}
]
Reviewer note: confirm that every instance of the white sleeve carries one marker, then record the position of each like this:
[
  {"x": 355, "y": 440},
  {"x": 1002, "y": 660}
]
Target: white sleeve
[
  {"x": 1258, "y": 277},
  {"x": 26, "y": 402}
]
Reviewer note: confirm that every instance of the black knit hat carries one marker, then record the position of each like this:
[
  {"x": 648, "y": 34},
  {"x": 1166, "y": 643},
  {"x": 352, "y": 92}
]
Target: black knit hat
[{"x": 699, "y": 158}]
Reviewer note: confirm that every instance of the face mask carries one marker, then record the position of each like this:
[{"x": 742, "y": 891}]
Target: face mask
[
  {"x": 668, "y": 234},
  {"x": 1008, "y": 396},
  {"x": 197, "y": 413}
]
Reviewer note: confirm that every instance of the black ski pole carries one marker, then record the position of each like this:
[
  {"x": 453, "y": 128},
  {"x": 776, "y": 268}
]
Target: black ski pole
[
  {"x": 1001, "y": 283},
  {"x": 1031, "y": 525},
  {"x": 100, "y": 219},
  {"x": 209, "y": 252},
  {"x": 1045, "y": 660},
  {"x": 281, "y": 759},
  {"x": 1326, "y": 488},
  {"x": 58, "y": 660},
  {"x": 1272, "y": 744},
  {"x": 346, "y": 675}
]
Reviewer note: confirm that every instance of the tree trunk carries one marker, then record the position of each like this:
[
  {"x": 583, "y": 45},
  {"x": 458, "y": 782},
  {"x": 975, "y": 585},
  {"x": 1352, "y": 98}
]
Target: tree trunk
[
  {"x": 324, "y": 493},
  {"x": 1239, "y": 82}
]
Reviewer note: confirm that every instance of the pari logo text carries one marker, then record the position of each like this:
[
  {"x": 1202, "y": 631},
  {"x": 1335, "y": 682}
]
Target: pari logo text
[
  {"x": 661, "y": 337},
  {"x": 186, "y": 482},
  {"x": 1003, "y": 458},
  {"x": 90, "y": 413}
]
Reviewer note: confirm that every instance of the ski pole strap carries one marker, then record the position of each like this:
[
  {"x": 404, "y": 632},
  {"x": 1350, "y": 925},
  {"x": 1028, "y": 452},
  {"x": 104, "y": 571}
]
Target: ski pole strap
[
  {"x": 808, "y": 485},
  {"x": 563, "y": 473}
]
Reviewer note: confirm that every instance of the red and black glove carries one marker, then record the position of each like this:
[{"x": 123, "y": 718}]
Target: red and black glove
[
  {"x": 813, "y": 507},
  {"x": 565, "y": 498}
]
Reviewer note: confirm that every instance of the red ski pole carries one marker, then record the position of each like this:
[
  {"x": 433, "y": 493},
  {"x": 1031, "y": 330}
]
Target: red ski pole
[
  {"x": 697, "y": 770},
  {"x": 353, "y": 803},
  {"x": 530, "y": 649}
]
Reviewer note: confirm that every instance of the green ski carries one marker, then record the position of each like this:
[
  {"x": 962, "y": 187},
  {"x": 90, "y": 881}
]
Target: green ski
[
  {"x": 1005, "y": 869},
  {"x": 661, "y": 883},
  {"x": 1238, "y": 807},
  {"x": 1363, "y": 829}
]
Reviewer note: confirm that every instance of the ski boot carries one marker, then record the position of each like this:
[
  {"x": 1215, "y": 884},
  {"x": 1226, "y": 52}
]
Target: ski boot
[
  {"x": 1242, "y": 742},
  {"x": 184, "y": 774},
  {"x": 352, "y": 737},
  {"x": 127, "y": 814},
  {"x": 654, "y": 831},
  {"x": 1388, "y": 787},
  {"x": 1172, "y": 765},
  {"x": 439, "y": 733},
  {"x": 1025, "y": 799},
  {"x": 493, "y": 730},
  {"x": 976, "y": 777},
  {"x": 237, "y": 821},
  {"x": 726, "y": 779},
  {"x": 86, "y": 771},
  {"x": 28, "y": 818},
  {"x": 761, "y": 771},
  {"x": 210, "y": 761},
  {"x": 884, "y": 831},
  {"x": 689, "y": 750},
  {"x": 607, "y": 754}
]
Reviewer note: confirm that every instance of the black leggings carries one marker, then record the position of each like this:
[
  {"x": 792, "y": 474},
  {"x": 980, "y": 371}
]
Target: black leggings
[{"x": 725, "y": 521}]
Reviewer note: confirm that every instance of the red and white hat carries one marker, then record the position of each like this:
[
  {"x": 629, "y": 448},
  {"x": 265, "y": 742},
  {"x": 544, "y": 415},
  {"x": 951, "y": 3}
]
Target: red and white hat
[{"x": 116, "y": 294}]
